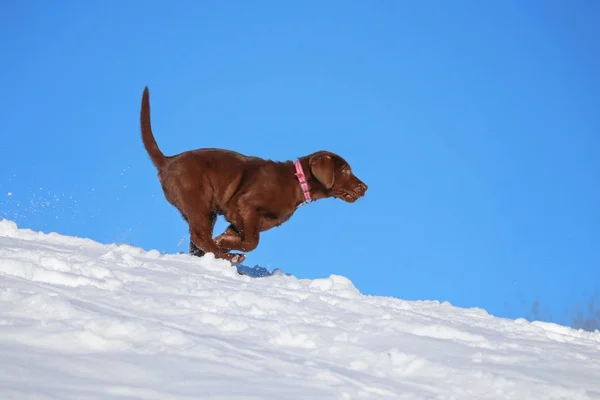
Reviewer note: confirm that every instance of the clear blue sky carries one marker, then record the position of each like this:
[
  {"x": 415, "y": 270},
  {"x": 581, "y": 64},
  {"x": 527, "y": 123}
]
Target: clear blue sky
[{"x": 475, "y": 125}]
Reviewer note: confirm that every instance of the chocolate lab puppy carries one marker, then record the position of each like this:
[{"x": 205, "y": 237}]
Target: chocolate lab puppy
[{"x": 253, "y": 194}]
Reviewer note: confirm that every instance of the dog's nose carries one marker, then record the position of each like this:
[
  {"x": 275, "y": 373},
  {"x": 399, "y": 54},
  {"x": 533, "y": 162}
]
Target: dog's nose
[{"x": 362, "y": 187}]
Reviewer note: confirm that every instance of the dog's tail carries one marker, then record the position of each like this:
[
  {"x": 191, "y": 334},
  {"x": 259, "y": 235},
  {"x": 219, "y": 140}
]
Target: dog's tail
[{"x": 157, "y": 156}]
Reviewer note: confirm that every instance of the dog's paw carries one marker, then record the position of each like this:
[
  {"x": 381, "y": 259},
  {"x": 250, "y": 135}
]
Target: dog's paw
[
  {"x": 236, "y": 258},
  {"x": 196, "y": 252}
]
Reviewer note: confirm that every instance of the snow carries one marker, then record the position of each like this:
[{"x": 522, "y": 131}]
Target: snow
[{"x": 85, "y": 320}]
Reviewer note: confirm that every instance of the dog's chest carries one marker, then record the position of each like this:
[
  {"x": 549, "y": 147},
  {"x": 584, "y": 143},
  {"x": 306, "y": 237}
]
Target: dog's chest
[{"x": 271, "y": 219}]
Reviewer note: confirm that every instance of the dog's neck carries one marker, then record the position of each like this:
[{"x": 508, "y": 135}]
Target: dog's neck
[
  {"x": 314, "y": 187},
  {"x": 302, "y": 181}
]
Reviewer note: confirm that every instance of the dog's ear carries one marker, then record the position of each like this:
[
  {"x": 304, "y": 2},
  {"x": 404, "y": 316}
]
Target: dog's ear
[{"x": 323, "y": 169}]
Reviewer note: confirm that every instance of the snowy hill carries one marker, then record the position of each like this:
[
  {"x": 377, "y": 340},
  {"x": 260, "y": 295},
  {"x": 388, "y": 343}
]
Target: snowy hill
[{"x": 83, "y": 320}]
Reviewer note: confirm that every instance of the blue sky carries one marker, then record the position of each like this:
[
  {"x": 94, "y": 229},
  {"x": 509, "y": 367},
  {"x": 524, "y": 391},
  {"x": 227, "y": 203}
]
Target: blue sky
[{"x": 475, "y": 125}]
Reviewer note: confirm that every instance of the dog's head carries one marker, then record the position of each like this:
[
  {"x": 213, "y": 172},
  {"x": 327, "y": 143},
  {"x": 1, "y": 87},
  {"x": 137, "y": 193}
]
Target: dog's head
[{"x": 335, "y": 174}]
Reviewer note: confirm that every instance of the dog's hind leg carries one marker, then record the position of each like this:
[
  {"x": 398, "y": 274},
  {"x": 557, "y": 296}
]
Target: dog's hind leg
[
  {"x": 195, "y": 250},
  {"x": 201, "y": 238}
]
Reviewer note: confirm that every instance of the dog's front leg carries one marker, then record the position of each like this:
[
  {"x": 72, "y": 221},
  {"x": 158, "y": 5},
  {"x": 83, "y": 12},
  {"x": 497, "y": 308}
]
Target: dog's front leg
[
  {"x": 242, "y": 234},
  {"x": 230, "y": 239}
]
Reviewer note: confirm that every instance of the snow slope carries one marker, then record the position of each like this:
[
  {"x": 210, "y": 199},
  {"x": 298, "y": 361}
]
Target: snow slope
[{"x": 83, "y": 320}]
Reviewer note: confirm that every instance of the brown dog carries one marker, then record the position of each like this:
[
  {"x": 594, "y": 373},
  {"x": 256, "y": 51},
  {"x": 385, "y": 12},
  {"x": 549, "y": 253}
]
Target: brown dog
[{"x": 253, "y": 194}]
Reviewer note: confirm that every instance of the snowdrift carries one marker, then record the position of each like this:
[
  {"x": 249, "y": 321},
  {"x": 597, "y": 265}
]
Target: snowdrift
[{"x": 84, "y": 320}]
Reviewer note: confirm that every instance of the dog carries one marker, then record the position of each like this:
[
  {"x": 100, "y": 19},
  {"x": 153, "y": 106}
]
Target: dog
[{"x": 253, "y": 194}]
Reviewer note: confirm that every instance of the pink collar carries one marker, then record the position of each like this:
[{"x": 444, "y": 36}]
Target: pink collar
[{"x": 302, "y": 179}]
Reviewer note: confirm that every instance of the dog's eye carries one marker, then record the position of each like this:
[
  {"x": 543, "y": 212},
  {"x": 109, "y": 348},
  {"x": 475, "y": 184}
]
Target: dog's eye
[{"x": 346, "y": 169}]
